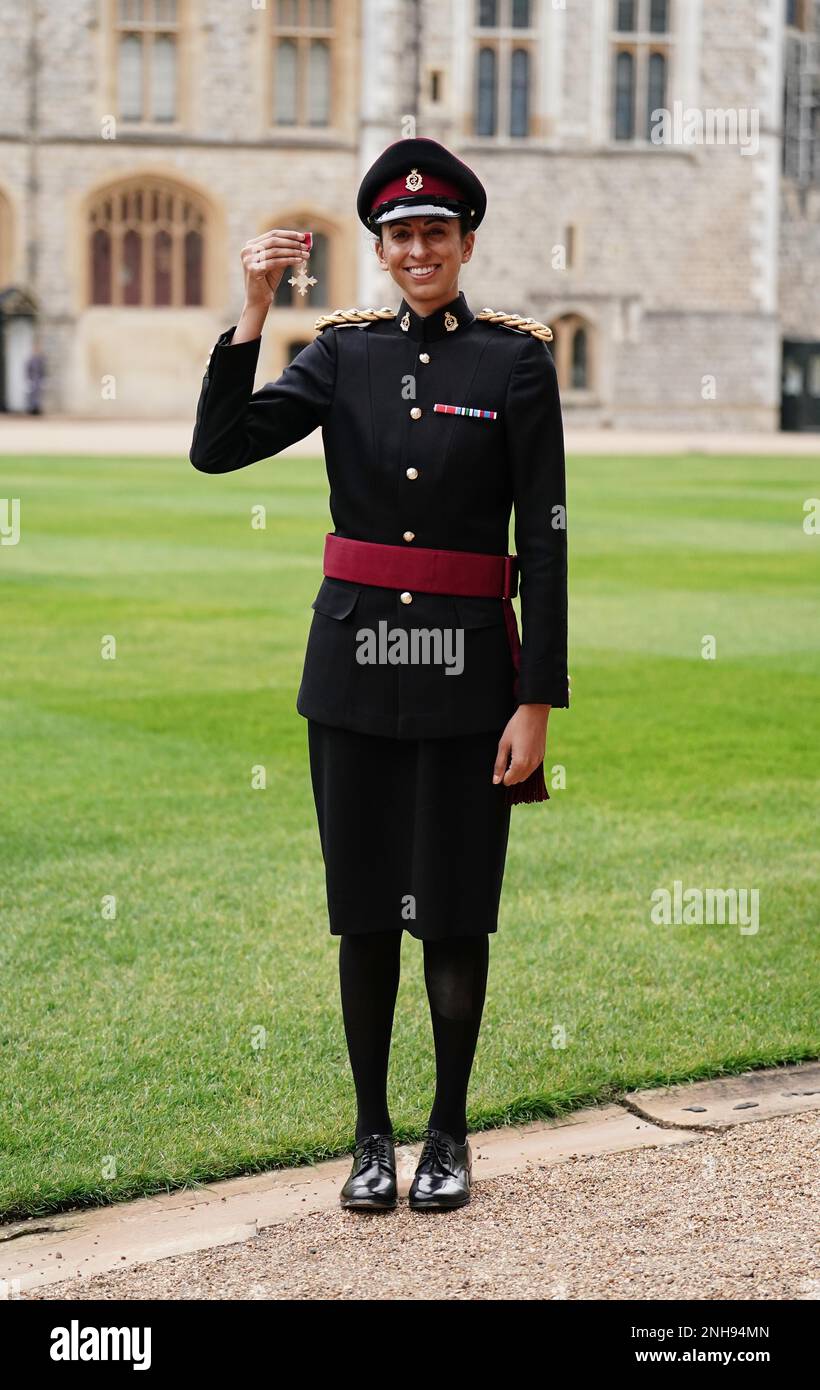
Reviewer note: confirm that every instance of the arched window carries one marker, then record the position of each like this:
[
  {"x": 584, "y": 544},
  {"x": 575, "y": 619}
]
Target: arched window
[
  {"x": 571, "y": 351},
  {"x": 579, "y": 360},
  {"x": 303, "y": 36},
  {"x": 286, "y": 104},
  {"x": 194, "y": 265},
  {"x": 101, "y": 266},
  {"x": 505, "y": 46},
  {"x": 485, "y": 111},
  {"x": 624, "y": 96},
  {"x": 655, "y": 88},
  {"x": 132, "y": 267},
  {"x": 319, "y": 82},
  {"x": 146, "y": 245},
  {"x": 642, "y": 47},
  {"x": 147, "y": 39},
  {"x": 658, "y": 16},
  {"x": 318, "y": 295},
  {"x": 520, "y": 92}
]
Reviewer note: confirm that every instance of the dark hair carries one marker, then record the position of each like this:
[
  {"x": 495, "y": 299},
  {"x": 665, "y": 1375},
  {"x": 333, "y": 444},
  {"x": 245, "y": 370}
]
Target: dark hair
[{"x": 464, "y": 219}]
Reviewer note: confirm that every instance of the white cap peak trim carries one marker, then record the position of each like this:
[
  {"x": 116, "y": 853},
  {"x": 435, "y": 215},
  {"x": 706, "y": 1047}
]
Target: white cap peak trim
[{"x": 411, "y": 210}]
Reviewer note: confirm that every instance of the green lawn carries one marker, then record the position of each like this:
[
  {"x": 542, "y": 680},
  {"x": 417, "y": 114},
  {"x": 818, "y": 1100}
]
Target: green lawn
[{"x": 197, "y": 1034}]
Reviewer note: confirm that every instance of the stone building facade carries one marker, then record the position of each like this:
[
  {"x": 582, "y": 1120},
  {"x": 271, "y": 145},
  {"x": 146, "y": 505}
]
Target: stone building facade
[{"x": 142, "y": 142}]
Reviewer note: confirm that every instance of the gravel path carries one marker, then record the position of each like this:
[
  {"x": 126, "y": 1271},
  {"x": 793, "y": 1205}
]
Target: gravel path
[{"x": 730, "y": 1216}]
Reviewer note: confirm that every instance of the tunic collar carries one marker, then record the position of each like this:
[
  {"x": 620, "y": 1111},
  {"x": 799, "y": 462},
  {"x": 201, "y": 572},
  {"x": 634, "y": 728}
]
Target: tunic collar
[{"x": 442, "y": 323}]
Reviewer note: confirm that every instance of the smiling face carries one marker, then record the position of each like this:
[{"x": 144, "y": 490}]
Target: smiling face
[{"x": 424, "y": 256}]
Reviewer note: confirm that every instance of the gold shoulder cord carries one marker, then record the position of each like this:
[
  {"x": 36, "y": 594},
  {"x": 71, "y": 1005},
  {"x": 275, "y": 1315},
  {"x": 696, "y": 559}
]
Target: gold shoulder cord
[
  {"x": 342, "y": 316},
  {"x": 538, "y": 330}
]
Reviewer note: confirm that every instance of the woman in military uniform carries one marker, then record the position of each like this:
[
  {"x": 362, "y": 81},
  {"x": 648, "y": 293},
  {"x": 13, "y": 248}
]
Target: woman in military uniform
[{"x": 426, "y": 715}]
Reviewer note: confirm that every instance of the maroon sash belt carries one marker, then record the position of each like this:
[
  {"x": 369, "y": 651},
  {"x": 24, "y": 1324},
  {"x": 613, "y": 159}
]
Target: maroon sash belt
[{"x": 463, "y": 573}]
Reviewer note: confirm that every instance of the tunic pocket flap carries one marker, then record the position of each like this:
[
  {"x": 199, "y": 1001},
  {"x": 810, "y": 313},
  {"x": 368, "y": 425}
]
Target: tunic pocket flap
[
  {"x": 336, "y": 598},
  {"x": 478, "y": 612}
]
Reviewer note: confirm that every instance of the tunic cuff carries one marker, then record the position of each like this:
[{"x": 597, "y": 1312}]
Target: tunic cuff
[
  {"x": 234, "y": 359},
  {"x": 555, "y": 695}
]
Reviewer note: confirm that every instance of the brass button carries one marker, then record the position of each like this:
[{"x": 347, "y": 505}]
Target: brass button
[
  {"x": 405, "y": 597},
  {"x": 412, "y": 473},
  {"x": 415, "y": 413},
  {"x": 409, "y": 535},
  {"x": 424, "y": 357}
]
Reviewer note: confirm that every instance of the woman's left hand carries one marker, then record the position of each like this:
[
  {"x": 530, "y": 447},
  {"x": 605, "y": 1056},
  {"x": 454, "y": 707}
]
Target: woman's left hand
[{"x": 522, "y": 745}]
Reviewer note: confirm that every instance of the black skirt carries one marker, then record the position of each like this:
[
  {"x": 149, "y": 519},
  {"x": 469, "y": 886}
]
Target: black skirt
[{"x": 413, "y": 831}]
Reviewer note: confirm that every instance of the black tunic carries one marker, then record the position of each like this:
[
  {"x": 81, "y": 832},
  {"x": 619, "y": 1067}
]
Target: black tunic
[{"x": 413, "y": 831}]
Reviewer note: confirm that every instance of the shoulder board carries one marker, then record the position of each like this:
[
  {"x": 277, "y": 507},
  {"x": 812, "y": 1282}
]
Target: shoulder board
[
  {"x": 516, "y": 322},
  {"x": 340, "y": 317}
]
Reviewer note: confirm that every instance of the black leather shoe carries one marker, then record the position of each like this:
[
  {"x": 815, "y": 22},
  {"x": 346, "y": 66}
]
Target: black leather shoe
[
  {"x": 444, "y": 1173},
  {"x": 371, "y": 1185}
]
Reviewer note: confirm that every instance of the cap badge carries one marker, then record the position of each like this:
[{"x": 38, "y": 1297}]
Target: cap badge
[
  {"x": 450, "y": 321},
  {"x": 414, "y": 181},
  {"x": 404, "y": 324}
]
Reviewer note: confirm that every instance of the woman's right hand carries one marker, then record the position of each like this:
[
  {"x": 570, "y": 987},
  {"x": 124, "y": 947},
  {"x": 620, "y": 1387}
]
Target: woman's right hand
[{"x": 265, "y": 259}]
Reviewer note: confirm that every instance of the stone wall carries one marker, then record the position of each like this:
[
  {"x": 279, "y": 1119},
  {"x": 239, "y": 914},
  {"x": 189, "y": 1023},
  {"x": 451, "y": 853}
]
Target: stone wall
[{"x": 692, "y": 262}]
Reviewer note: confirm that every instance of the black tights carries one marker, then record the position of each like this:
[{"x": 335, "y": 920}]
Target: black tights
[{"x": 455, "y": 974}]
